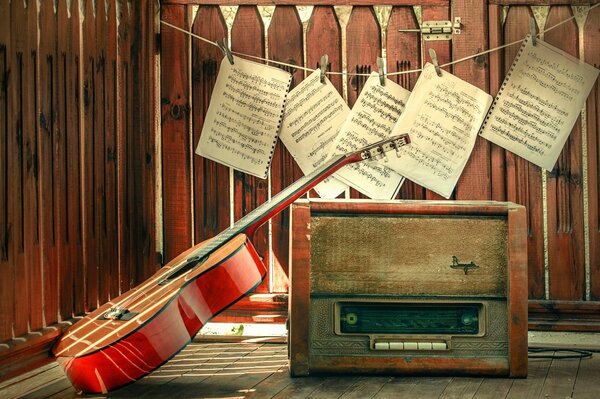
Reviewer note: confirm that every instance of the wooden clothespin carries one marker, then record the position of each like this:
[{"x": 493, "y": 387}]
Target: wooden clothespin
[
  {"x": 380, "y": 67},
  {"x": 434, "y": 61},
  {"x": 323, "y": 66},
  {"x": 532, "y": 31},
  {"x": 225, "y": 49}
]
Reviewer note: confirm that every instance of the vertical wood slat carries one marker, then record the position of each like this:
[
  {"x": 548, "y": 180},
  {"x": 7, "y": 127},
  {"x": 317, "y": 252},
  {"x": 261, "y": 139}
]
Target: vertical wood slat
[
  {"x": 32, "y": 275},
  {"x": 99, "y": 134},
  {"x": 89, "y": 164},
  {"x": 403, "y": 50},
  {"x": 363, "y": 46},
  {"x": 16, "y": 179},
  {"x": 177, "y": 221},
  {"x": 496, "y": 73},
  {"x": 6, "y": 200},
  {"x": 125, "y": 150},
  {"x": 144, "y": 127},
  {"x": 70, "y": 275},
  {"x": 474, "y": 182},
  {"x": 111, "y": 263},
  {"x": 211, "y": 179},
  {"x": 524, "y": 180},
  {"x": 443, "y": 50},
  {"x": 247, "y": 36},
  {"x": 324, "y": 36},
  {"x": 592, "y": 56},
  {"x": 285, "y": 37},
  {"x": 51, "y": 172},
  {"x": 565, "y": 188}
]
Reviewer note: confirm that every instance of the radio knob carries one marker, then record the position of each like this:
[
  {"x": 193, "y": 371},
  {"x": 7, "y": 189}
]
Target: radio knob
[
  {"x": 467, "y": 319},
  {"x": 351, "y": 318}
]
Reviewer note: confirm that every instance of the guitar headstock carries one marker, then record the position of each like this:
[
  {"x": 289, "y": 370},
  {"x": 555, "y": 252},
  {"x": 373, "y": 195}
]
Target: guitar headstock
[{"x": 378, "y": 150}]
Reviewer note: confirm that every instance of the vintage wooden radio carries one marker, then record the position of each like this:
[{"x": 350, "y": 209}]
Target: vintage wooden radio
[{"x": 415, "y": 287}]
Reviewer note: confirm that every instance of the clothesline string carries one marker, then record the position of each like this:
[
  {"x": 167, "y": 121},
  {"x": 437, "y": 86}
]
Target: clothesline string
[{"x": 191, "y": 34}]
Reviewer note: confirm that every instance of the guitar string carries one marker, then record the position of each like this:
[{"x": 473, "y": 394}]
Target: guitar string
[
  {"x": 304, "y": 183},
  {"x": 191, "y": 34},
  {"x": 221, "y": 238}
]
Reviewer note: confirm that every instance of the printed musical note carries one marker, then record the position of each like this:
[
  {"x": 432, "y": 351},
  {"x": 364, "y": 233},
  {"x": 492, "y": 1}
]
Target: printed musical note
[
  {"x": 539, "y": 102},
  {"x": 313, "y": 115},
  {"x": 244, "y": 116},
  {"x": 372, "y": 119},
  {"x": 442, "y": 116}
]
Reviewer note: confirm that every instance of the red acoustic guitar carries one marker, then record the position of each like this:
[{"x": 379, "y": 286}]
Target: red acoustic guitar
[{"x": 138, "y": 331}]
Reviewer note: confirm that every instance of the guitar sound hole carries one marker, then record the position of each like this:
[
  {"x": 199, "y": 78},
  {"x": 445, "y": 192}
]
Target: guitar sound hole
[{"x": 190, "y": 264}]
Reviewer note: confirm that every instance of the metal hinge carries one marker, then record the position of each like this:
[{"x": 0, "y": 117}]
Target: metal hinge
[{"x": 437, "y": 30}]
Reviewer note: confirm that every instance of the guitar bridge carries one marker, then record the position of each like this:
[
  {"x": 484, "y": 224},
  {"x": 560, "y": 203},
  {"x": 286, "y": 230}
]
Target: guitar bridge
[{"x": 117, "y": 314}]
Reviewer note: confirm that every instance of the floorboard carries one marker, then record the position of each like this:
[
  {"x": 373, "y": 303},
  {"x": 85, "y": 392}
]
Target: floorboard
[
  {"x": 259, "y": 371},
  {"x": 587, "y": 385}
]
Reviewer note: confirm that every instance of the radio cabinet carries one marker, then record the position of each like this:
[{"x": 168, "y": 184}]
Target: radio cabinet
[{"x": 432, "y": 287}]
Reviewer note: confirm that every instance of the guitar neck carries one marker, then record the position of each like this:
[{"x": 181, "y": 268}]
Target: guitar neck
[
  {"x": 252, "y": 221},
  {"x": 249, "y": 223}
]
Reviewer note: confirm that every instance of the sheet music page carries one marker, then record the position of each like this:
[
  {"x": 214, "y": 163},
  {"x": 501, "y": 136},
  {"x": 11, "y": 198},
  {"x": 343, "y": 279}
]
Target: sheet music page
[
  {"x": 539, "y": 102},
  {"x": 442, "y": 117},
  {"x": 372, "y": 119},
  {"x": 314, "y": 113},
  {"x": 244, "y": 116}
]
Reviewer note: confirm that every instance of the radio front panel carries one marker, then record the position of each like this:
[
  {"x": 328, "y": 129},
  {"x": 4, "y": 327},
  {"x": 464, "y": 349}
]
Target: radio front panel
[{"x": 408, "y": 287}]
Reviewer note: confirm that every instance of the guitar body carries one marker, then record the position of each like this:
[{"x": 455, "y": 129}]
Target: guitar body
[
  {"x": 133, "y": 334},
  {"x": 158, "y": 318}
]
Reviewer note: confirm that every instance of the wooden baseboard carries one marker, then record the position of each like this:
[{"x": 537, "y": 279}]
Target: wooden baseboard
[
  {"x": 256, "y": 308},
  {"x": 28, "y": 352},
  {"x": 564, "y": 316}
]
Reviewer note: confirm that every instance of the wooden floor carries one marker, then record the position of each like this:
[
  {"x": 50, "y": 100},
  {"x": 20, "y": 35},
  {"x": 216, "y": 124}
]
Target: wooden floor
[{"x": 259, "y": 370}]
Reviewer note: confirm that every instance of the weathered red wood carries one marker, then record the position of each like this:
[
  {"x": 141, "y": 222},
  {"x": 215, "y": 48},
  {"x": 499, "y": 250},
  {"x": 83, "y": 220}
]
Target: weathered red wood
[
  {"x": 318, "y": 2},
  {"x": 443, "y": 50},
  {"x": 299, "y": 305},
  {"x": 71, "y": 62},
  {"x": 285, "y": 44},
  {"x": 111, "y": 264},
  {"x": 496, "y": 74},
  {"x": 30, "y": 300},
  {"x": 247, "y": 36},
  {"x": 145, "y": 126},
  {"x": 565, "y": 188},
  {"x": 363, "y": 46},
  {"x": 592, "y": 56},
  {"x": 177, "y": 221},
  {"x": 524, "y": 180},
  {"x": 542, "y": 2},
  {"x": 16, "y": 164},
  {"x": 475, "y": 180},
  {"x": 564, "y": 315},
  {"x": 6, "y": 197},
  {"x": 125, "y": 150},
  {"x": 404, "y": 54},
  {"x": 51, "y": 171},
  {"x": 517, "y": 286},
  {"x": 324, "y": 36},
  {"x": 100, "y": 128},
  {"x": 211, "y": 179},
  {"x": 89, "y": 164}
]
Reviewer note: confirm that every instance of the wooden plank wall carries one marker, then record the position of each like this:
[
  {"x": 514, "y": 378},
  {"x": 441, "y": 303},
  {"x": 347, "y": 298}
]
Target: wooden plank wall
[
  {"x": 77, "y": 169},
  {"x": 564, "y": 276}
]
